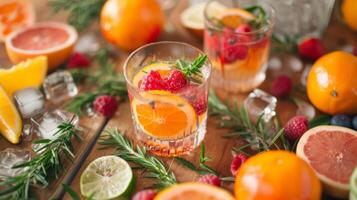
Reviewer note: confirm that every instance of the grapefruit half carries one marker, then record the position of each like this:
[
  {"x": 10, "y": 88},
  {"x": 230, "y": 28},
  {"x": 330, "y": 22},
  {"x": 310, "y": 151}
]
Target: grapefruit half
[
  {"x": 52, "y": 39},
  {"x": 15, "y": 14},
  {"x": 332, "y": 153}
]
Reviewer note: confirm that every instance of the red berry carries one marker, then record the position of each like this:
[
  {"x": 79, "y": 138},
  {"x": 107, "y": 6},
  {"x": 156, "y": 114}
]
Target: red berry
[
  {"x": 244, "y": 28},
  {"x": 145, "y": 195},
  {"x": 175, "y": 81},
  {"x": 78, "y": 60},
  {"x": 296, "y": 127},
  {"x": 210, "y": 179},
  {"x": 237, "y": 161},
  {"x": 233, "y": 47},
  {"x": 152, "y": 81},
  {"x": 200, "y": 104},
  {"x": 311, "y": 48},
  {"x": 355, "y": 50},
  {"x": 105, "y": 105},
  {"x": 281, "y": 86}
]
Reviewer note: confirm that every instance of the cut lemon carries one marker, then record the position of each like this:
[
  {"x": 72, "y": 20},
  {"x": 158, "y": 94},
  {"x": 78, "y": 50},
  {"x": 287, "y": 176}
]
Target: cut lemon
[
  {"x": 235, "y": 17},
  {"x": 107, "y": 177},
  {"x": 164, "y": 115},
  {"x": 199, "y": 191},
  {"x": 10, "y": 120},
  {"x": 162, "y": 67},
  {"x": 29, "y": 73}
]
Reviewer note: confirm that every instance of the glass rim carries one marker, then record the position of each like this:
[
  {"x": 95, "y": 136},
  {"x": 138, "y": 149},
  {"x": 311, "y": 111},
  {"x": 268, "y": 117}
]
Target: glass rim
[
  {"x": 262, "y": 29},
  {"x": 132, "y": 54}
]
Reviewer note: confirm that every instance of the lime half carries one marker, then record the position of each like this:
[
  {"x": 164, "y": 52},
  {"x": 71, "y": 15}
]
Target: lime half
[
  {"x": 107, "y": 177},
  {"x": 353, "y": 185}
]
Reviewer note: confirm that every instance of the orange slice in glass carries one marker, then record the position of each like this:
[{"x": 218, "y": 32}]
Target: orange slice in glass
[
  {"x": 15, "y": 14},
  {"x": 164, "y": 115},
  {"x": 234, "y": 17}
]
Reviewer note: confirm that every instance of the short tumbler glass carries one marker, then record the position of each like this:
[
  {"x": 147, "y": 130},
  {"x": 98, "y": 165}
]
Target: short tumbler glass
[
  {"x": 239, "y": 57},
  {"x": 167, "y": 123}
]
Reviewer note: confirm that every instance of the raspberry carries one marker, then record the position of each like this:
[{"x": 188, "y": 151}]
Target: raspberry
[
  {"x": 210, "y": 179},
  {"x": 244, "y": 28},
  {"x": 175, "y": 81},
  {"x": 232, "y": 47},
  {"x": 296, "y": 127},
  {"x": 78, "y": 60},
  {"x": 311, "y": 48},
  {"x": 145, "y": 195},
  {"x": 237, "y": 161},
  {"x": 200, "y": 104},
  {"x": 281, "y": 86},
  {"x": 341, "y": 120},
  {"x": 105, "y": 105},
  {"x": 152, "y": 81}
]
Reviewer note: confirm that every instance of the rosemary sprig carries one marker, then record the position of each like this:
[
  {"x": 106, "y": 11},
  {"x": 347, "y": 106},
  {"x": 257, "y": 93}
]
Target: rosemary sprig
[
  {"x": 73, "y": 193},
  {"x": 81, "y": 13},
  {"x": 284, "y": 43},
  {"x": 261, "y": 16},
  {"x": 44, "y": 166},
  {"x": 153, "y": 167},
  {"x": 192, "y": 69},
  {"x": 202, "y": 167},
  {"x": 258, "y": 135}
]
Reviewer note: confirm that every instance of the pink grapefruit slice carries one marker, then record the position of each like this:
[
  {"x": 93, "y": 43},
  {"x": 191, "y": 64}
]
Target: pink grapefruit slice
[
  {"x": 52, "y": 39},
  {"x": 332, "y": 152}
]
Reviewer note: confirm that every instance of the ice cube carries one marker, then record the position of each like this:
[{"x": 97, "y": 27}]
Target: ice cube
[
  {"x": 294, "y": 63},
  {"x": 46, "y": 126},
  {"x": 305, "y": 109},
  {"x": 88, "y": 43},
  {"x": 27, "y": 132},
  {"x": 11, "y": 157},
  {"x": 259, "y": 102},
  {"x": 275, "y": 63},
  {"x": 305, "y": 74},
  {"x": 59, "y": 86},
  {"x": 29, "y": 101}
]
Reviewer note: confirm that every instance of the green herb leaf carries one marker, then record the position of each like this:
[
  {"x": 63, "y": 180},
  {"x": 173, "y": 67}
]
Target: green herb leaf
[
  {"x": 319, "y": 120},
  {"x": 192, "y": 69},
  {"x": 71, "y": 192}
]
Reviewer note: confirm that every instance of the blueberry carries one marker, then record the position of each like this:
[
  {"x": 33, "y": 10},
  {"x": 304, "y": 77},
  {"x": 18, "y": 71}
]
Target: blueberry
[
  {"x": 341, "y": 120},
  {"x": 354, "y": 122}
]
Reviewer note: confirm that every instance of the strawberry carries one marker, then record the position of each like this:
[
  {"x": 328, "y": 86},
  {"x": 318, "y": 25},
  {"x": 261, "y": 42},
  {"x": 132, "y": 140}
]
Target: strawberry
[
  {"x": 78, "y": 60},
  {"x": 175, "y": 81},
  {"x": 152, "y": 81},
  {"x": 296, "y": 127},
  {"x": 145, "y": 195},
  {"x": 105, "y": 105},
  {"x": 281, "y": 86},
  {"x": 311, "y": 48},
  {"x": 210, "y": 179},
  {"x": 237, "y": 161}
]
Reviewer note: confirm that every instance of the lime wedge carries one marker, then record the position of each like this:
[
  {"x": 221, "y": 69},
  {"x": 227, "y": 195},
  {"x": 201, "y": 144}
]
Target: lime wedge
[
  {"x": 353, "y": 185},
  {"x": 107, "y": 177}
]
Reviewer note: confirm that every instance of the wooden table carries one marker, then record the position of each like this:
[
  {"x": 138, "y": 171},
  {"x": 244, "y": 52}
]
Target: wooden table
[{"x": 218, "y": 148}]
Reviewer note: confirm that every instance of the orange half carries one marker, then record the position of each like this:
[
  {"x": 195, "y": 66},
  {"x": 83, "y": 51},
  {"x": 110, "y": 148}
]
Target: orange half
[
  {"x": 234, "y": 17},
  {"x": 164, "y": 115}
]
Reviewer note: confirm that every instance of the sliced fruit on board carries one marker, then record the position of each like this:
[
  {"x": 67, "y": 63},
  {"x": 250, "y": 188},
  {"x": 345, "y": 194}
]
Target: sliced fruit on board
[
  {"x": 167, "y": 115},
  {"x": 196, "y": 190},
  {"x": 52, "y": 39},
  {"x": 332, "y": 152},
  {"x": 107, "y": 177},
  {"x": 15, "y": 14},
  {"x": 29, "y": 73},
  {"x": 10, "y": 120}
]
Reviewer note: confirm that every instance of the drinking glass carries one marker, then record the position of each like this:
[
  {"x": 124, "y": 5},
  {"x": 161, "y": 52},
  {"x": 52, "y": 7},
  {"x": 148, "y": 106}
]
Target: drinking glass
[
  {"x": 239, "y": 57},
  {"x": 167, "y": 123}
]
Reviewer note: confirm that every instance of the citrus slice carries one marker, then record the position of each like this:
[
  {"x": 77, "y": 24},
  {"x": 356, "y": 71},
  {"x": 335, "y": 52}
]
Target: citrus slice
[
  {"x": 162, "y": 67},
  {"x": 15, "y": 14},
  {"x": 332, "y": 153},
  {"x": 234, "y": 17},
  {"x": 29, "y": 73},
  {"x": 192, "y": 17},
  {"x": 10, "y": 120},
  {"x": 52, "y": 39},
  {"x": 164, "y": 115},
  {"x": 107, "y": 177},
  {"x": 353, "y": 185},
  {"x": 199, "y": 191}
]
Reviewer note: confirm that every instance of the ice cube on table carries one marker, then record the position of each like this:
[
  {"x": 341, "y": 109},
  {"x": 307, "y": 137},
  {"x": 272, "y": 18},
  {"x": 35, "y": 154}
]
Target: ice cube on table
[
  {"x": 29, "y": 101},
  {"x": 46, "y": 126},
  {"x": 294, "y": 63},
  {"x": 59, "y": 86},
  {"x": 11, "y": 157},
  {"x": 305, "y": 109},
  {"x": 259, "y": 102},
  {"x": 88, "y": 43},
  {"x": 305, "y": 74},
  {"x": 275, "y": 63}
]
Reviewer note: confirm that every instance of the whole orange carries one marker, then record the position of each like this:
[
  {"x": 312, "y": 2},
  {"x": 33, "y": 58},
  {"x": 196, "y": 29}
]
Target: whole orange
[
  {"x": 276, "y": 175},
  {"x": 332, "y": 83},
  {"x": 348, "y": 9},
  {"x": 129, "y": 24}
]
